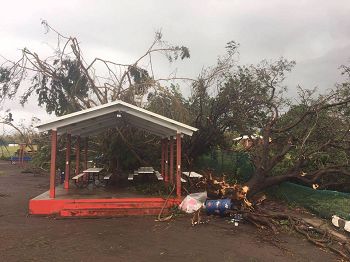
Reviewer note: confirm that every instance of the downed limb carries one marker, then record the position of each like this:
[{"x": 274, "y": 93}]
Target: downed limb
[
  {"x": 253, "y": 212},
  {"x": 313, "y": 232}
]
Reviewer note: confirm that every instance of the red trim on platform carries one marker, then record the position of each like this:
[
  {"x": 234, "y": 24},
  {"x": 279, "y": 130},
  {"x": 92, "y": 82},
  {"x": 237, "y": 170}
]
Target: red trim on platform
[{"x": 100, "y": 207}]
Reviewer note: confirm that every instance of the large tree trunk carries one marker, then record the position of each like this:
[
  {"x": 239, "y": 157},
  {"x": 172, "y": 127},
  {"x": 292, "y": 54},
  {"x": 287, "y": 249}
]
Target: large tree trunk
[{"x": 261, "y": 182}]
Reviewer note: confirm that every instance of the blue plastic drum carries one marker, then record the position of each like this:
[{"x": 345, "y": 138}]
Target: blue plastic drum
[{"x": 218, "y": 206}]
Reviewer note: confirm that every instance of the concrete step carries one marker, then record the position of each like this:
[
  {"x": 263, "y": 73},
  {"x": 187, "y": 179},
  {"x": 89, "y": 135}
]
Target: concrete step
[
  {"x": 111, "y": 205},
  {"x": 99, "y": 212},
  {"x": 115, "y": 207}
]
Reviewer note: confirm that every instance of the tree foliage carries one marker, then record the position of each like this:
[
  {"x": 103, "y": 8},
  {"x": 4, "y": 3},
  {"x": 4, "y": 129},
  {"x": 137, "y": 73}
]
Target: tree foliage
[{"x": 305, "y": 140}]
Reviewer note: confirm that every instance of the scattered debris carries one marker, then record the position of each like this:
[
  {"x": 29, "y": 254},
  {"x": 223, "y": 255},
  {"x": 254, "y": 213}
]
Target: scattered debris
[
  {"x": 341, "y": 223},
  {"x": 220, "y": 207},
  {"x": 193, "y": 202},
  {"x": 231, "y": 199}
]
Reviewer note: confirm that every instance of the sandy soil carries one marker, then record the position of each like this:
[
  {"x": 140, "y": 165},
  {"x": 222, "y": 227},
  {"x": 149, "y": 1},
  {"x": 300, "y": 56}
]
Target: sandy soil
[{"x": 28, "y": 238}]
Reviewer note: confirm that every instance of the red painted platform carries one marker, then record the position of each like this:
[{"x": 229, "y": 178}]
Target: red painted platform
[{"x": 98, "y": 203}]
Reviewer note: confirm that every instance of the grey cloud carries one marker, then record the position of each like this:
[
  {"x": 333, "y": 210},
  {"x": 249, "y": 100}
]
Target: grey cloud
[{"x": 314, "y": 33}]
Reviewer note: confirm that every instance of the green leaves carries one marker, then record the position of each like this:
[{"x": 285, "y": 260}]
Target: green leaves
[{"x": 61, "y": 93}]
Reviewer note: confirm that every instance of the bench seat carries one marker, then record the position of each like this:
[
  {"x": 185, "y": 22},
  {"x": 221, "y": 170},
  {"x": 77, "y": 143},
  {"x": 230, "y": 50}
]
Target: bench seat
[
  {"x": 108, "y": 176},
  {"x": 158, "y": 175},
  {"x": 192, "y": 174},
  {"x": 78, "y": 176}
]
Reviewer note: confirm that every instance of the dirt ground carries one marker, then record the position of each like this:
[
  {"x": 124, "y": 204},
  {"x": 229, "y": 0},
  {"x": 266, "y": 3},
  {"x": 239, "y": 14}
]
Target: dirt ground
[{"x": 28, "y": 238}]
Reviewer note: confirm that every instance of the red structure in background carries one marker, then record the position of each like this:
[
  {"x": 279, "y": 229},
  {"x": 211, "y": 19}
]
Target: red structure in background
[{"x": 93, "y": 121}]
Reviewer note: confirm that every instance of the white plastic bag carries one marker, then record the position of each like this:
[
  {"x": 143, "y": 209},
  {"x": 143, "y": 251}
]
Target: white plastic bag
[{"x": 193, "y": 202}]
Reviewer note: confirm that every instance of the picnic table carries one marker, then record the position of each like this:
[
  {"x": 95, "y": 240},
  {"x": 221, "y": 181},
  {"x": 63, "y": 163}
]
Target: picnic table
[
  {"x": 91, "y": 175},
  {"x": 145, "y": 171}
]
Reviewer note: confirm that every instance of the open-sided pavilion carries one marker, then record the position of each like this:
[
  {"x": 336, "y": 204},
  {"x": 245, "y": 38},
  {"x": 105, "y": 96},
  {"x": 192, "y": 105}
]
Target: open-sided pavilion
[{"x": 91, "y": 122}]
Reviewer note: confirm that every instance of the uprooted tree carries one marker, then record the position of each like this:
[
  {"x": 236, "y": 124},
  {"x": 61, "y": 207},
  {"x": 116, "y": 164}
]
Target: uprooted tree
[
  {"x": 308, "y": 143},
  {"x": 305, "y": 141}
]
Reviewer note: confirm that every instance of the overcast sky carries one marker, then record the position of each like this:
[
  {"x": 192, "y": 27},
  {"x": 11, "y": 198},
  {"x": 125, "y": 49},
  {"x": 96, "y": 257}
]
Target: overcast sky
[{"x": 315, "y": 33}]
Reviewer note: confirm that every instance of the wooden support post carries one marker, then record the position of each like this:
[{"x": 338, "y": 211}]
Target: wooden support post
[
  {"x": 86, "y": 152},
  {"x": 67, "y": 169},
  {"x": 178, "y": 165},
  {"x": 77, "y": 156},
  {"x": 166, "y": 160},
  {"x": 162, "y": 159},
  {"x": 53, "y": 163},
  {"x": 171, "y": 167}
]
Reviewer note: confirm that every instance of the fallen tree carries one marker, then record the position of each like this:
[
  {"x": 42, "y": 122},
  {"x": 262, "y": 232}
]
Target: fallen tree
[
  {"x": 254, "y": 212},
  {"x": 305, "y": 141}
]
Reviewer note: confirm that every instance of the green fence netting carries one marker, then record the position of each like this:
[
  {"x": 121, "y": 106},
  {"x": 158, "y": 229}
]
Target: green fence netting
[
  {"x": 236, "y": 165},
  {"x": 324, "y": 203}
]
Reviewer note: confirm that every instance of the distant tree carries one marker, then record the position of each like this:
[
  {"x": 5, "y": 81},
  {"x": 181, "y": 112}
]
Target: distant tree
[{"x": 21, "y": 133}]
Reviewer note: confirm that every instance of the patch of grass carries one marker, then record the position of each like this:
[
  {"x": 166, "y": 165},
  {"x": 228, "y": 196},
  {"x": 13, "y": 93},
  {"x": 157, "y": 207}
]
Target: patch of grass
[
  {"x": 324, "y": 203},
  {"x": 9, "y": 152}
]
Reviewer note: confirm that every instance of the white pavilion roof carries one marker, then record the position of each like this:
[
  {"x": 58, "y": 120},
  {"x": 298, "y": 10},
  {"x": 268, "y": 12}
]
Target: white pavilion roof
[{"x": 95, "y": 120}]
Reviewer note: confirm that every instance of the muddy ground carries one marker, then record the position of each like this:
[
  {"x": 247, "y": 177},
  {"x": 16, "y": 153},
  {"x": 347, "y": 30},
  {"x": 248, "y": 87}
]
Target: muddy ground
[{"x": 28, "y": 238}]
